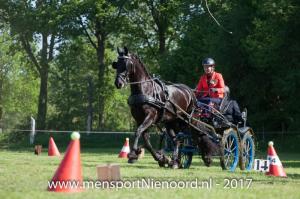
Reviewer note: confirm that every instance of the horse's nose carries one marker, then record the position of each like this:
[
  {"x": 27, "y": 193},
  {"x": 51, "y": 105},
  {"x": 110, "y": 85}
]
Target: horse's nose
[{"x": 118, "y": 84}]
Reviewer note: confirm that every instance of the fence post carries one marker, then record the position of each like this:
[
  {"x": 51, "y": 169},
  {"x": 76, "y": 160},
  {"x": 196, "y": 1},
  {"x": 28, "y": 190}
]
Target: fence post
[{"x": 32, "y": 132}]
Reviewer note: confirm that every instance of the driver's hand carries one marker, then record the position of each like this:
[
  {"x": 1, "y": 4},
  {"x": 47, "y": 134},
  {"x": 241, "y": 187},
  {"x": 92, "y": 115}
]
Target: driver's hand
[
  {"x": 198, "y": 95},
  {"x": 214, "y": 90}
]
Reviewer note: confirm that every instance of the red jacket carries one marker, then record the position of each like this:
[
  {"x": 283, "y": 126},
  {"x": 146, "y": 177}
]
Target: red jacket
[{"x": 214, "y": 81}]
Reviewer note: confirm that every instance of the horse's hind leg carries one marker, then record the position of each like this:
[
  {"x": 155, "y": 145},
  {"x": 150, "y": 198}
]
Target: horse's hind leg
[
  {"x": 207, "y": 149},
  {"x": 222, "y": 159}
]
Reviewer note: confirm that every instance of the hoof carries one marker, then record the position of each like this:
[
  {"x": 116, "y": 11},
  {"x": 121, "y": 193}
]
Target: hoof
[
  {"x": 138, "y": 151},
  {"x": 132, "y": 155},
  {"x": 161, "y": 164},
  {"x": 222, "y": 164},
  {"x": 162, "y": 160},
  {"x": 208, "y": 162},
  {"x": 131, "y": 161},
  {"x": 207, "y": 165},
  {"x": 175, "y": 166}
]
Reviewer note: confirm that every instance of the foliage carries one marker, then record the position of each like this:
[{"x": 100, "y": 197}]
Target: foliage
[
  {"x": 259, "y": 61},
  {"x": 273, "y": 49},
  {"x": 262, "y": 49},
  {"x": 38, "y": 26},
  {"x": 76, "y": 64},
  {"x": 19, "y": 85}
]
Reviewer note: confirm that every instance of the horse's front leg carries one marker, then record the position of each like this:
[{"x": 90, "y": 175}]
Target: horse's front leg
[
  {"x": 175, "y": 158},
  {"x": 176, "y": 143},
  {"x": 148, "y": 121},
  {"x": 157, "y": 155}
]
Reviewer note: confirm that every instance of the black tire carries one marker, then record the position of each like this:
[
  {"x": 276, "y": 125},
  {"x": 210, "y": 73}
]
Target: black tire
[
  {"x": 247, "y": 152},
  {"x": 185, "y": 154},
  {"x": 168, "y": 146},
  {"x": 185, "y": 158},
  {"x": 230, "y": 149}
]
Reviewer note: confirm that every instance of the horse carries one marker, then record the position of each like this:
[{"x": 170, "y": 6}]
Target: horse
[{"x": 152, "y": 102}]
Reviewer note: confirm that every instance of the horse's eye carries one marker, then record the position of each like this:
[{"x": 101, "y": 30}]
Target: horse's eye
[{"x": 114, "y": 65}]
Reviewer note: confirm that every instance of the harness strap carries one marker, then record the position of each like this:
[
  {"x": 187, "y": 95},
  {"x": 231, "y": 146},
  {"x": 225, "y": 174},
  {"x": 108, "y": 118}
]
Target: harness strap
[{"x": 144, "y": 99}]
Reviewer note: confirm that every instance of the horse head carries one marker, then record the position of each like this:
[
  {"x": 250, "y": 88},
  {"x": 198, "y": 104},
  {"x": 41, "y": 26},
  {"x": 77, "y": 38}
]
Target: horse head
[{"x": 123, "y": 67}]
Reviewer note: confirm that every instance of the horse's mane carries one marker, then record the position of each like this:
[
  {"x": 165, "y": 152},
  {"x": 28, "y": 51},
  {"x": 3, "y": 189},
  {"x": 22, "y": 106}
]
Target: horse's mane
[{"x": 135, "y": 57}]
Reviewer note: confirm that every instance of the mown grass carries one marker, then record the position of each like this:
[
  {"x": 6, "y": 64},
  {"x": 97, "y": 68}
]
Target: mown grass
[{"x": 25, "y": 175}]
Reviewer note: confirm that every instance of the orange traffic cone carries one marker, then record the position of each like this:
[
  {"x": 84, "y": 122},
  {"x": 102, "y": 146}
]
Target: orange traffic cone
[
  {"x": 125, "y": 150},
  {"x": 276, "y": 168},
  {"x": 52, "y": 148},
  {"x": 68, "y": 176}
]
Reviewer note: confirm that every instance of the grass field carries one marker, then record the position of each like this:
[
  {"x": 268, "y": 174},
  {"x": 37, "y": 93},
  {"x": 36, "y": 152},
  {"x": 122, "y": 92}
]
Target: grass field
[{"x": 25, "y": 175}]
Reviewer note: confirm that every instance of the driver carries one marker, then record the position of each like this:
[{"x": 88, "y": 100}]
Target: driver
[{"x": 211, "y": 86}]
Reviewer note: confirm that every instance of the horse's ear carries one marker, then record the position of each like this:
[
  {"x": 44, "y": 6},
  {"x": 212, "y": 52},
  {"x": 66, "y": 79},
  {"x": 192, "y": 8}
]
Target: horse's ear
[{"x": 126, "y": 50}]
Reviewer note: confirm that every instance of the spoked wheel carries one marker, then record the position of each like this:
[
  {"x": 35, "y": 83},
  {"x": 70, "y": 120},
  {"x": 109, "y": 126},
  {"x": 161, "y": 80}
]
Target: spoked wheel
[
  {"x": 230, "y": 144},
  {"x": 185, "y": 155},
  {"x": 186, "y": 159},
  {"x": 186, "y": 149},
  {"x": 247, "y": 152},
  {"x": 168, "y": 146}
]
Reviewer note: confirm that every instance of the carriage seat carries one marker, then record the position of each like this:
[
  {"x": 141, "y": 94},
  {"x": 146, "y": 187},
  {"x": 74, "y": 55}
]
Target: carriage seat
[
  {"x": 225, "y": 100},
  {"x": 230, "y": 108}
]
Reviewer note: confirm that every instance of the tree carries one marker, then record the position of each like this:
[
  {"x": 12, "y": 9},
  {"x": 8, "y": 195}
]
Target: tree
[
  {"x": 99, "y": 20},
  {"x": 273, "y": 48},
  {"x": 72, "y": 94},
  {"x": 18, "y": 84},
  {"x": 73, "y": 68},
  {"x": 153, "y": 28},
  {"x": 259, "y": 60},
  {"x": 38, "y": 26}
]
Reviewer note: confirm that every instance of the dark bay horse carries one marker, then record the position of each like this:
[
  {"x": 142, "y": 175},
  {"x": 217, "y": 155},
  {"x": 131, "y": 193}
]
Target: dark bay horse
[{"x": 152, "y": 102}]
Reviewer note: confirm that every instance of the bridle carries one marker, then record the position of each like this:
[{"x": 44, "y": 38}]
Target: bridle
[{"x": 124, "y": 76}]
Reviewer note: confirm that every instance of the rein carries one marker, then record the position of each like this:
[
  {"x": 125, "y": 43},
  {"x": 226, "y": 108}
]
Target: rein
[
  {"x": 126, "y": 80},
  {"x": 140, "y": 82}
]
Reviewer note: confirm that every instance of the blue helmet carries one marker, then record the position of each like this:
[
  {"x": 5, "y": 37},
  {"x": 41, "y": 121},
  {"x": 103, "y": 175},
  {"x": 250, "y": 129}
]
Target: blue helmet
[{"x": 208, "y": 61}]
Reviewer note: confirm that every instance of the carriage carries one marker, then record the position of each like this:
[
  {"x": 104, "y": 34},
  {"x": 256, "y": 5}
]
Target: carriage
[
  {"x": 236, "y": 140},
  {"x": 190, "y": 128}
]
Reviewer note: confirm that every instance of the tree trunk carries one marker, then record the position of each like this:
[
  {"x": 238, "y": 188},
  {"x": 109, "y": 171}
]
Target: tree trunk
[
  {"x": 1, "y": 102},
  {"x": 101, "y": 83},
  {"x": 90, "y": 91},
  {"x": 68, "y": 107},
  {"x": 42, "y": 106},
  {"x": 162, "y": 42}
]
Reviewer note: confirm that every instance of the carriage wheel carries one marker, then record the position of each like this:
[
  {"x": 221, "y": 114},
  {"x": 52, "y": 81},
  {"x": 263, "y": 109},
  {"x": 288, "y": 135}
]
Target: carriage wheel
[
  {"x": 168, "y": 147},
  {"x": 247, "y": 152},
  {"x": 185, "y": 156},
  {"x": 185, "y": 153},
  {"x": 230, "y": 144}
]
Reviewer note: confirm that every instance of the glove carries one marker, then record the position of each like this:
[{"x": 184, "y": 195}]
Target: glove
[{"x": 214, "y": 90}]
